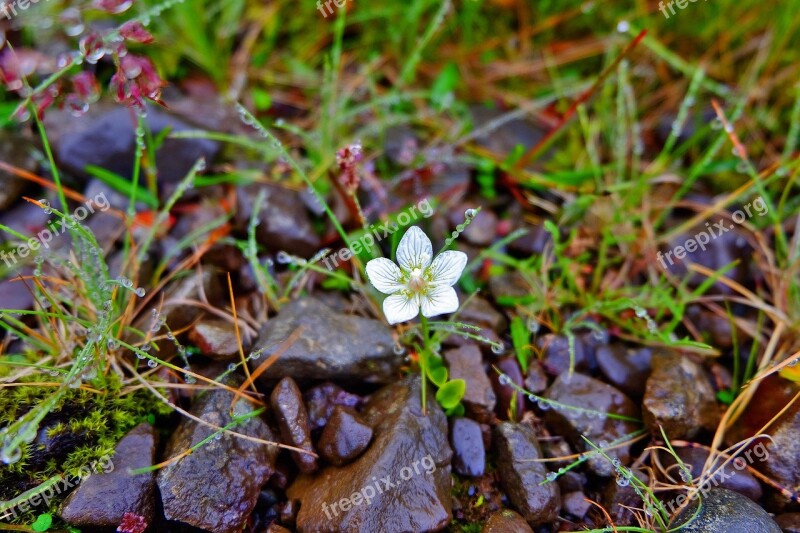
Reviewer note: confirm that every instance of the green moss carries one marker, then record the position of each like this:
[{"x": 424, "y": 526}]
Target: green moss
[{"x": 83, "y": 428}]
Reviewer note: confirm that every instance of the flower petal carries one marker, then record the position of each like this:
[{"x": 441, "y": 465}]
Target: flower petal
[
  {"x": 384, "y": 275},
  {"x": 415, "y": 250},
  {"x": 399, "y": 308},
  {"x": 447, "y": 267},
  {"x": 439, "y": 301}
]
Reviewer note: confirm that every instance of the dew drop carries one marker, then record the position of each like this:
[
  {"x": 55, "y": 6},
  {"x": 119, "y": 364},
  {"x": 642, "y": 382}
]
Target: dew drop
[
  {"x": 469, "y": 214},
  {"x": 498, "y": 348},
  {"x": 151, "y": 363},
  {"x": 623, "y": 481},
  {"x": 503, "y": 379},
  {"x": 140, "y": 292},
  {"x": 623, "y": 26},
  {"x": 551, "y": 476}
]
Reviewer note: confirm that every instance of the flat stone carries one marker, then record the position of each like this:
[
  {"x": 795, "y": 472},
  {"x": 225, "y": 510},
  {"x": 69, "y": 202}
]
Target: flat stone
[
  {"x": 506, "y": 521},
  {"x": 556, "y": 354},
  {"x": 322, "y": 399},
  {"x": 575, "y": 504},
  {"x": 520, "y": 476},
  {"x": 104, "y": 498},
  {"x": 679, "y": 398},
  {"x": 466, "y": 363},
  {"x": 292, "y": 417},
  {"x": 723, "y": 510},
  {"x": 216, "y": 487},
  {"x": 344, "y": 438},
  {"x": 331, "y": 345},
  {"x": 215, "y": 339},
  {"x": 625, "y": 368},
  {"x": 589, "y": 394},
  {"x": 109, "y": 140},
  {"x": 403, "y": 478},
  {"x": 469, "y": 454},
  {"x": 284, "y": 222}
]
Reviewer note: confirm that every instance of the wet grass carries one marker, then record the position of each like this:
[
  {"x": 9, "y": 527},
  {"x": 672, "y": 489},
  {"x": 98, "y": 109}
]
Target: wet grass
[{"x": 600, "y": 181}]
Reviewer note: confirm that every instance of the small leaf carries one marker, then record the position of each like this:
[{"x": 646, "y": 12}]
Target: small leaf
[
  {"x": 450, "y": 394},
  {"x": 521, "y": 339},
  {"x": 43, "y": 522},
  {"x": 438, "y": 376},
  {"x": 444, "y": 85}
]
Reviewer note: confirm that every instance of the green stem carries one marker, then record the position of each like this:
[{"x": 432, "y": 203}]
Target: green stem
[{"x": 423, "y": 359}]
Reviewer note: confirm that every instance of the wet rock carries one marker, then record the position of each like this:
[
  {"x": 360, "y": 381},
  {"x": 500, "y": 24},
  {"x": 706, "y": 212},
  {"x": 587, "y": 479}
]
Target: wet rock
[
  {"x": 480, "y": 312},
  {"x": 344, "y": 438},
  {"x": 408, "y": 460},
  {"x": 217, "y": 486},
  {"x": 723, "y": 510},
  {"x": 535, "y": 242},
  {"x": 290, "y": 413},
  {"x": 284, "y": 223},
  {"x": 507, "y": 395},
  {"x": 108, "y": 141},
  {"x": 716, "y": 329},
  {"x": 482, "y": 231},
  {"x": 501, "y": 132},
  {"x": 594, "y": 400},
  {"x": 575, "y": 503},
  {"x": 731, "y": 477},
  {"x": 536, "y": 379},
  {"x": 466, "y": 363},
  {"x": 103, "y": 498},
  {"x": 516, "y": 446},
  {"x": 625, "y": 368},
  {"x": 506, "y": 521},
  {"x": 619, "y": 497},
  {"x": 779, "y": 457},
  {"x": 469, "y": 455},
  {"x": 17, "y": 152},
  {"x": 789, "y": 522},
  {"x": 719, "y": 253},
  {"x": 331, "y": 346},
  {"x": 511, "y": 287},
  {"x": 322, "y": 399},
  {"x": 14, "y": 293},
  {"x": 215, "y": 339},
  {"x": 558, "y": 356},
  {"x": 678, "y": 397}
]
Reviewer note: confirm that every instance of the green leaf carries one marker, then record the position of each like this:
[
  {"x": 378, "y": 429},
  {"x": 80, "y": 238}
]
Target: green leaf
[
  {"x": 444, "y": 85},
  {"x": 450, "y": 394},
  {"x": 43, "y": 523},
  {"x": 120, "y": 184},
  {"x": 261, "y": 99},
  {"x": 438, "y": 376},
  {"x": 521, "y": 340}
]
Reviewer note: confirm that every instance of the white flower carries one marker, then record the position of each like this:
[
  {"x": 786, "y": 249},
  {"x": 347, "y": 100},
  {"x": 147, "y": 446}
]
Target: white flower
[{"x": 417, "y": 283}]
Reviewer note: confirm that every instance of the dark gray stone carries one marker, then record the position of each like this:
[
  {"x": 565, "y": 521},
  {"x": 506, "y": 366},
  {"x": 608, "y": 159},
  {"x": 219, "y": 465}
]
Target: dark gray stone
[{"x": 331, "y": 346}]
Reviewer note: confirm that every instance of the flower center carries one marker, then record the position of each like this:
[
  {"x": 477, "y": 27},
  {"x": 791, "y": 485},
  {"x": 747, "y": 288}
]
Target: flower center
[{"x": 416, "y": 281}]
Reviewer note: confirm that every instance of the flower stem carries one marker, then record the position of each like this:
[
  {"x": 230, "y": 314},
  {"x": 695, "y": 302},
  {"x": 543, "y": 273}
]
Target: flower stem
[{"x": 423, "y": 360}]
